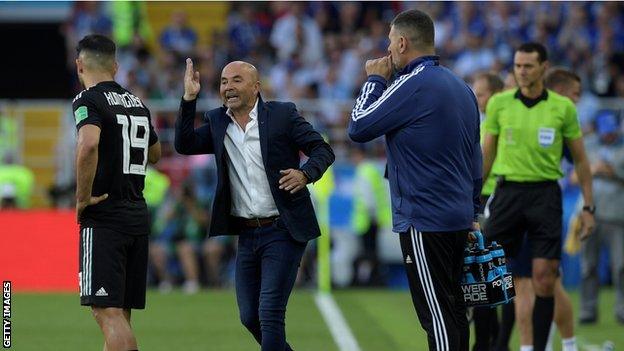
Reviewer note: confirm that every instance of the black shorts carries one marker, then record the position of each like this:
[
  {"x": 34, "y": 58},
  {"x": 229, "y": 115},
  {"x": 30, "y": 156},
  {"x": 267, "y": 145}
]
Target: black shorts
[
  {"x": 113, "y": 268},
  {"x": 531, "y": 209},
  {"x": 522, "y": 264}
]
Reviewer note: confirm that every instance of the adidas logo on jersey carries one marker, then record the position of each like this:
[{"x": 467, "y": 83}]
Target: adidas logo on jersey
[
  {"x": 408, "y": 259},
  {"x": 101, "y": 292}
]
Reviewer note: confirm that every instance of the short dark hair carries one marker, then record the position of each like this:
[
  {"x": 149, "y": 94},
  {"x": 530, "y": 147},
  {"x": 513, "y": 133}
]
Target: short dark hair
[
  {"x": 558, "y": 76},
  {"x": 100, "y": 48},
  {"x": 495, "y": 83},
  {"x": 542, "y": 53},
  {"x": 417, "y": 26}
]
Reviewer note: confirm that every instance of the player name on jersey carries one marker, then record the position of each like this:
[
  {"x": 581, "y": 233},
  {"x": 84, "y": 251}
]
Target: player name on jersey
[{"x": 125, "y": 100}]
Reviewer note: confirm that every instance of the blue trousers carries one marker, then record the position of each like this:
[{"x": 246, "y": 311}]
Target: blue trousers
[{"x": 267, "y": 262}]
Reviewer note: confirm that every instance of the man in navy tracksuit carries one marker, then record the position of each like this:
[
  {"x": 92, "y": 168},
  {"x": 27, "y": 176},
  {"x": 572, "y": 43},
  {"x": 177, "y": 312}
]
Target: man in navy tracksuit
[{"x": 431, "y": 122}]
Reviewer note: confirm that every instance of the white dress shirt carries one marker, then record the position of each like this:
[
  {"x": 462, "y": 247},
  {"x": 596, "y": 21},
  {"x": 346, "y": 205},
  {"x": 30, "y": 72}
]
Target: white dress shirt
[{"x": 249, "y": 185}]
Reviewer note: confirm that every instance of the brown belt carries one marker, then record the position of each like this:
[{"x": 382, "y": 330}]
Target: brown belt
[{"x": 254, "y": 222}]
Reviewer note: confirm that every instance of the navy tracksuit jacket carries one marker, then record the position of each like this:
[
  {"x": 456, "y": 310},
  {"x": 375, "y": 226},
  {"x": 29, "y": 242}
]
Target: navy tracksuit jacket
[{"x": 431, "y": 122}]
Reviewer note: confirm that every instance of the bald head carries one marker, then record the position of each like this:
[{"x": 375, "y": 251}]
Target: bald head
[
  {"x": 241, "y": 67},
  {"x": 240, "y": 86}
]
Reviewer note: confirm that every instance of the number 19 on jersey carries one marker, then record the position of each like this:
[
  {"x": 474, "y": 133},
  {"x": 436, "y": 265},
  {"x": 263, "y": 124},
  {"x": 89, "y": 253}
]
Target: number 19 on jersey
[{"x": 132, "y": 139}]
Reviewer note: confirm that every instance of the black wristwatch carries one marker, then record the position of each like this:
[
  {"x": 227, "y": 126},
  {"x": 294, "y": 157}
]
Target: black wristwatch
[
  {"x": 590, "y": 209},
  {"x": 305, "y": 173}
]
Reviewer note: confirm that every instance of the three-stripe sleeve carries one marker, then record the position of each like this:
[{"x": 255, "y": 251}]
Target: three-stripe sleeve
[{"x": 378, "y": 110}]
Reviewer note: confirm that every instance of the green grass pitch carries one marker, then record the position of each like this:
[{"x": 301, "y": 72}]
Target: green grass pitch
[{"x": 380, "y": 319}]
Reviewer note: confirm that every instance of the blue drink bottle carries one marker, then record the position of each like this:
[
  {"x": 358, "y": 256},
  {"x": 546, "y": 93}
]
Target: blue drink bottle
[
  {"x": 469, "y": 261},
  {"x": 485, "y": 266},
  {"x": 498, "y": 256}
]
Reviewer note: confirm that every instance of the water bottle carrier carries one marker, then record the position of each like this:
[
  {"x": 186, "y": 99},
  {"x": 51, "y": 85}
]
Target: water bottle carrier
[{"x": 480, "y": 288}]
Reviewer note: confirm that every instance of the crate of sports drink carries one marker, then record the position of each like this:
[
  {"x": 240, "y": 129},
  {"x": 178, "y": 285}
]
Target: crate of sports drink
[{"x": 485, "y": 280}]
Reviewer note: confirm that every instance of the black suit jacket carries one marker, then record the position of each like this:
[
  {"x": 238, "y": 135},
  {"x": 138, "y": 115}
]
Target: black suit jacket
[{"x": 283, "y": 133}]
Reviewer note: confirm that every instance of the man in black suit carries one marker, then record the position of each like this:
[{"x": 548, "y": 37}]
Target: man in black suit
[{"x": 261, "y": 189}]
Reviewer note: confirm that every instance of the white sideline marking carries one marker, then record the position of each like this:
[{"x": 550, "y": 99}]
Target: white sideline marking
[{"x": 338, "y": 327}]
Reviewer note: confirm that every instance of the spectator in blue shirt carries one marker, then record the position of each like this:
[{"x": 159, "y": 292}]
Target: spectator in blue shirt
[{"x": 179, "y": 37}]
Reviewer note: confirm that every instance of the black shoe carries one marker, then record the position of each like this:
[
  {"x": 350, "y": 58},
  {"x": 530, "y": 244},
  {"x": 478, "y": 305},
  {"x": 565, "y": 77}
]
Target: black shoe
[
  {"x": 587, "y": 319},
  {"x": 619, "y": 319}
]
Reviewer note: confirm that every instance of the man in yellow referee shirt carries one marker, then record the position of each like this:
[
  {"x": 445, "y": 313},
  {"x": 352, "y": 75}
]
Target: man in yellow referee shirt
[{"x": 524, "y": 131}]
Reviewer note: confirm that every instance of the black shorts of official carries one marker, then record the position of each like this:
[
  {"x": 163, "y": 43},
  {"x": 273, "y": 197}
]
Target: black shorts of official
[
  {"x": 521, "y": 265},
  {"x": 113, "y": 268},
  {"x": 531, "y": 209},
  {"x": 433, "y": 262}
]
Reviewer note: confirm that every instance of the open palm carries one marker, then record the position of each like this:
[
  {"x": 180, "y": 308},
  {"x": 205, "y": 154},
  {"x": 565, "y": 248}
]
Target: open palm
[{"x": 191, "y": 81}]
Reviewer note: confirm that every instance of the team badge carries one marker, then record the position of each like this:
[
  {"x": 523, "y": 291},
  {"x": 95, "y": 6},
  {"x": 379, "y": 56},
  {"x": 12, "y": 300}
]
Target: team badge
[{"x": 546, "y": 136}]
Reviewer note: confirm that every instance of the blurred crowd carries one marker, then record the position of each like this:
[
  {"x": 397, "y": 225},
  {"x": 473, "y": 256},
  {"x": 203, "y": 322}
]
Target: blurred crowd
[
  {"x": 317, "y": 49},
  {"x": 308, "y": 51}
]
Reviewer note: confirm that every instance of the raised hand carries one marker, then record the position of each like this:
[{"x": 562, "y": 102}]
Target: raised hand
[{"x": 191, "y": 81}]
